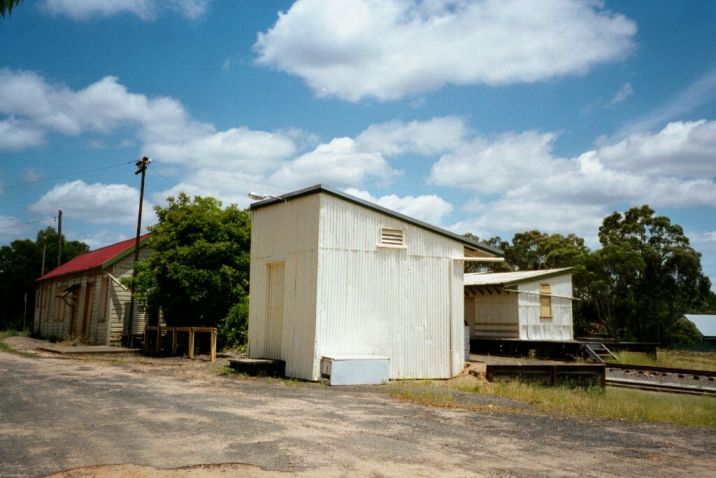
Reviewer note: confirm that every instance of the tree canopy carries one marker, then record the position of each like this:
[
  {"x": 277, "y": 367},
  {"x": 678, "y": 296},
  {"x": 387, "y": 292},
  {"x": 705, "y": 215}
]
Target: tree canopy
[{"x": 199, "y": 265}]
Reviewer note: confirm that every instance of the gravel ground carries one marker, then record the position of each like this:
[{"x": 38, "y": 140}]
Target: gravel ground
[{"x": 136, "y": 417}]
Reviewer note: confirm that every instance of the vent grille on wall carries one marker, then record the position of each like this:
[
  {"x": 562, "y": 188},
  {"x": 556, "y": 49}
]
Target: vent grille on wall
[{"x": 392, "y": 237}]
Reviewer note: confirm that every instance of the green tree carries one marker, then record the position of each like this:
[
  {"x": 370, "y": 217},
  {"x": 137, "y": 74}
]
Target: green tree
[
  {"x": 199, "y": 265},
  {"x": 20, "y": 266},
  {"x": 6, "y": 6},
  {"x": 535, "y": 250},
  {"x": 645, "y": 276}
]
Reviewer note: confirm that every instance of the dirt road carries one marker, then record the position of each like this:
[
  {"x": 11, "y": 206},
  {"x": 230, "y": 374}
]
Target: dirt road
[{"x": 64, "y": 414}]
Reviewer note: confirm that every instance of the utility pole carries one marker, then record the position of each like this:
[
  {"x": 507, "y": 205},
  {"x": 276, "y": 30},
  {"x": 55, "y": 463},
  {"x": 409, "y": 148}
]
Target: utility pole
[
  {"x": 59, "y": 237},
  {"x": 44, "y": 250},
  {"x": 142, "y": 165}
]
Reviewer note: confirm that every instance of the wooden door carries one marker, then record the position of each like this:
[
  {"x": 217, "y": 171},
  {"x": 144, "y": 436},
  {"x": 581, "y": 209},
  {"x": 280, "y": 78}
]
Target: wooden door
[
  {"x": 87, "y": 311},
  {"x": 274, "y": 310}
]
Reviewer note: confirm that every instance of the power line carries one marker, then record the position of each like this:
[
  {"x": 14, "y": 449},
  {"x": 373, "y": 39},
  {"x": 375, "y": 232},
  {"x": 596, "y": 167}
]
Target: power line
[
  {"x": 18, "y": 185},
  {"x": 13, "y": 226}
]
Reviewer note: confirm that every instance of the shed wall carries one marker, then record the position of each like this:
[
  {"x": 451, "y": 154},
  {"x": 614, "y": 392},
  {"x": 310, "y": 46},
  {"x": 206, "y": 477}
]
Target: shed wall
[
  {"x": 118, "y": 298},
  {"x": 560, "y": 326},
  {"x": 406, "y": 304},
  {"x": 493, "y": 314},
  {"x": 286, "y": 232}
]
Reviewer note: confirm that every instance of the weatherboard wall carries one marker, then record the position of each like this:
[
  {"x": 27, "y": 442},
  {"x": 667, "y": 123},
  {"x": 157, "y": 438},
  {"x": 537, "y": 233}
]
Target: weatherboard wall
[
  {"x": 402, "y": 303},
  {"x": 118, "y": 299},
  {"x": 287, "y": 233}
]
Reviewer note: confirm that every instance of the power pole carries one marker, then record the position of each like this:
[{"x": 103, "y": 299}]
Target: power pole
[
  {"x": 44, "y": 250},
  {"x": 142, "y": 165},
  {"x": 59, "y": 237}
]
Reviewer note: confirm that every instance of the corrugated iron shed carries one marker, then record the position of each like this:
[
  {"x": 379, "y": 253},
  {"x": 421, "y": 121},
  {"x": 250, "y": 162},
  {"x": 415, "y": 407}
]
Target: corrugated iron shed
[
  {"x": 509, "y": 278},
  {"x": 706, "y": 324}
]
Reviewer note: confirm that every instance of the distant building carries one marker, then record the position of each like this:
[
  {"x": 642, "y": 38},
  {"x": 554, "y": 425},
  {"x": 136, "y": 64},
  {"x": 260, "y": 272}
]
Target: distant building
[
  {"x": 527, "y": 305},
  {"x": 334, "y": 277},
  {"x": 706, "y": 325},
  {"x": 85, "y": 299}
]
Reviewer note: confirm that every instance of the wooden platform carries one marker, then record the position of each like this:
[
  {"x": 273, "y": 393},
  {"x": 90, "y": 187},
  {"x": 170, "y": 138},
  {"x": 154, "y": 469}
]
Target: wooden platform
[
  {"x": 87, "y": 350},
  {"x": 549, "y": 374},
  {"x": 259, "y": 367}
]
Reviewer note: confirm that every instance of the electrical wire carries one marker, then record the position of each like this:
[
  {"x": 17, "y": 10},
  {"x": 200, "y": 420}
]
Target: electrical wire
[{"x": 29, "y": 183}]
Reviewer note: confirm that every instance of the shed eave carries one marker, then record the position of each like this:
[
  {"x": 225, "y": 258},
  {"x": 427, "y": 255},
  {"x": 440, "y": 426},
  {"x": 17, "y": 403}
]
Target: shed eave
[{"x": 320, "y": 188}]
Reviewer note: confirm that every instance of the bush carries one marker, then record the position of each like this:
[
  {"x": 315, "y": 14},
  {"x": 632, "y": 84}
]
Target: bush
[{"x": 233, "y": 329}]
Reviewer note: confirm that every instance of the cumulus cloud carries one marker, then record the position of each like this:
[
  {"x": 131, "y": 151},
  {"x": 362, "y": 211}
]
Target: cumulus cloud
[
  {"x": 388, "y": 49},
  {"x": 429, "y": 208},
  {"x": 679, "y": 149},
  {"x": 532, "y": 187},
  {"x": 94, "y": 203},
  {"x": 338, "y": 163},
  {"x": 15, "y": 136},
  {"x": 421, "y": 137},
  {"x": 147, "y": 10},
  {"x": 101, "y": 107}
]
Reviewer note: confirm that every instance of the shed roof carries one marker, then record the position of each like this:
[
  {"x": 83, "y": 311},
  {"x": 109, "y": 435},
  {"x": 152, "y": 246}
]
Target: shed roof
[
  {"x": 101, "y": 257},
  {"x": 705, "y": 323},
  {"x": 320, "y": 188},
  {"x": 510, "y": 278}
]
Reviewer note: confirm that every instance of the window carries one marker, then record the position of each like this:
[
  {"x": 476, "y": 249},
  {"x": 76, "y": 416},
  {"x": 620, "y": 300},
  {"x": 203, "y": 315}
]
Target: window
[
  {"x": 545, "y": 301},
  {"x": 390, "y": 237}
]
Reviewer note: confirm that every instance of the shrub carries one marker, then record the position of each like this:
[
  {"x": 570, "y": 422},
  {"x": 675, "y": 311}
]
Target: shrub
[{"x": 233, "y": 329}]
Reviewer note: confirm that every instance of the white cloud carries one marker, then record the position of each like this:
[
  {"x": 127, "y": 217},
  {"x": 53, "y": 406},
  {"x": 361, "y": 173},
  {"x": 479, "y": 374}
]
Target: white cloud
[
  {"x": 94, "y": 203},
  {"x": 145, "y": 9},
  {"x": 684, "y": 149},
  {"x": 16, "y": 136},
  {"x": 388, "y": 49},
  {"x": 337, "y": 163},
  {"x": 102, "y": 106},
  {"x": 508, "y": 215},
  {"x": 622, "y": 95},
  {"x": 429, "y": 208},
  {"x": 421, "y": 137},
  {"x": 495, "y": 165},
  {"x": 252, "y": 151}
]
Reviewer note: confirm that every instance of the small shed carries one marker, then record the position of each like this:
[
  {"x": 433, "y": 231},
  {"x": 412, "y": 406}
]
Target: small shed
[
  {"x": 334, "y": 277},
  {"x": 706, "y": 325},
  {"x": 527, "y": 305},
  {"x": 85, "y": 298}
]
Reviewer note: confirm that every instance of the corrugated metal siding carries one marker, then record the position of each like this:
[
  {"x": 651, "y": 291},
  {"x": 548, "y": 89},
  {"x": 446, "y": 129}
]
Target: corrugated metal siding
[
  {"x": 388, "y": 301},
  {"x": 560, "y": 327},
  {"x": 493, "y": 315},
  {"x": 286, "y": 232}
]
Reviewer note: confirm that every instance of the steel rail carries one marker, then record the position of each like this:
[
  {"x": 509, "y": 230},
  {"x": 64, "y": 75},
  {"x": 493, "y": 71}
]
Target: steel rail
[
  {"x": 660, "y": 387},
  {"x": 649, "y": 368}
]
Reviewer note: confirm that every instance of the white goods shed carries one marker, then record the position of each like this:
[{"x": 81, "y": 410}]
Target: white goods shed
[
  {"x": 527, "y": 305},
  {"x": 705, "y": 324},
  {"x": 333, "y": 276}
]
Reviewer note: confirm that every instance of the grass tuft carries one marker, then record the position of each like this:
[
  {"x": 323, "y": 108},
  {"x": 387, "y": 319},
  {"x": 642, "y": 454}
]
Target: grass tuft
[
  {"x": 612, "y": 403},
  {"x": 5, "y": 347},
  {"x": 671, "y": 358}
]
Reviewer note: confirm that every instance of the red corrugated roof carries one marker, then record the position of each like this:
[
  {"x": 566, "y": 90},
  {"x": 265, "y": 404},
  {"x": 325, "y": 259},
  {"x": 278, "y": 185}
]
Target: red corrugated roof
[{"x": 92, "y": 259}]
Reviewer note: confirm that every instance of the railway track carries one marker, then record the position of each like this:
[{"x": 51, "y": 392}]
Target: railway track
[{"x": 663, "y": 379}]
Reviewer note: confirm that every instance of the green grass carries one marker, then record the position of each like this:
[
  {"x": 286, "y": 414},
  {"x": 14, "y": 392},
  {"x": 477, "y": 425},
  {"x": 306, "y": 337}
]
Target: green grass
[
  {"x": 612, "y": 403},
  {"x": 5, "y": 347},
  {"x": 671, "y": 358}
]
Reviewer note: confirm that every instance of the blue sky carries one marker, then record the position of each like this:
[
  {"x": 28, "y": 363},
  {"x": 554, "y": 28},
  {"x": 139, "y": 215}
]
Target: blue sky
[{"x": 479, "y": 116}]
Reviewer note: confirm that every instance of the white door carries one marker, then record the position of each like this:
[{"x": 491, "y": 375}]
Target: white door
[{"x": 274, "y": 320}]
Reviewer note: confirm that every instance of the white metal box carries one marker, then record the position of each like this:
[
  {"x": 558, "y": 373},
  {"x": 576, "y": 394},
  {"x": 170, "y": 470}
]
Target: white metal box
[{"x": 355, "y": 370}]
